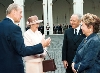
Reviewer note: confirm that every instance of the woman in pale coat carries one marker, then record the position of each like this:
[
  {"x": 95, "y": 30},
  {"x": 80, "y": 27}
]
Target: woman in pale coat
[{"x": 33, "y": 63}]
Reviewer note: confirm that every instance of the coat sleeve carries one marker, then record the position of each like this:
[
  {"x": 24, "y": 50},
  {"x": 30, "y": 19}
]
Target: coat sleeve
[
  {"x": 75, "y": 59},
  {"x": 29, "y": 42},
  {"x": 19, "y": 46},
  {"x": 89, "y": 56}
]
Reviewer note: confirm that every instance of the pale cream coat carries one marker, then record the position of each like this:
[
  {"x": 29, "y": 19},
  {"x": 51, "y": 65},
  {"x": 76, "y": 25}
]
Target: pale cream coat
[{"x": 33, "y": 63}]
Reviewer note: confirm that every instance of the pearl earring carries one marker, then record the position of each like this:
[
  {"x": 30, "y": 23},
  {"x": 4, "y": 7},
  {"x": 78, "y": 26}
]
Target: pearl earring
[{"x": 90, "y": 29}]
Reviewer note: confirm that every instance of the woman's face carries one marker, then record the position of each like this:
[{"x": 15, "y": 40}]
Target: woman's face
[
  {"x": 34, "y": 27},
  {"x": 86, "y": 30}
]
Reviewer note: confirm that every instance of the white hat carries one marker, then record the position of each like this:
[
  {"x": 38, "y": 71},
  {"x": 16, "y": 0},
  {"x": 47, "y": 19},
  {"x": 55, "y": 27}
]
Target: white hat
[{"x": 33, "y": 20}]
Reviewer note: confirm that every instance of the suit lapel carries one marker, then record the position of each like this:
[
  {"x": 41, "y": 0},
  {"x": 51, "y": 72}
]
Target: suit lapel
[{"x": 71, "y": 33}]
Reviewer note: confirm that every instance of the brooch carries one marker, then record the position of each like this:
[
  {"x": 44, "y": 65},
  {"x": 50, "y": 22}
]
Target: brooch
[{"x": 85, "y": 40}]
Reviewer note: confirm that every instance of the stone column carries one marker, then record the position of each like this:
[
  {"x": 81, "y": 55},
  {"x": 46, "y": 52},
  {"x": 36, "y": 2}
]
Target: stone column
[
  {"x": 78, "y": 6},
  {"x": 50, "y": 18},
  {"x": 45, "y": 15},
  {"x": 22, "y": 22}
]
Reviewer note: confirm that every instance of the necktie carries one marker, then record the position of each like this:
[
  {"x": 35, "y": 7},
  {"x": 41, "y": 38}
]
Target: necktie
[{"x": 75, "y": 32}]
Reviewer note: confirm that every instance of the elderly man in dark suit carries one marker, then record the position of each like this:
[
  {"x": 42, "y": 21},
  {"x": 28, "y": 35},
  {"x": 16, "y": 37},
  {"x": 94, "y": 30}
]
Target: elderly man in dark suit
[
  {"x": 72, "y": 38},
  {"x": 12, "y": 46}
]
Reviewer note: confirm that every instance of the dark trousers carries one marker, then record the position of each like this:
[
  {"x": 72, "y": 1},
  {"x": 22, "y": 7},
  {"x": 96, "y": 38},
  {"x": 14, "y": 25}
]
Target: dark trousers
[
  {"x": 47, "y": 32},
  {"x": 69, "y": 70}
]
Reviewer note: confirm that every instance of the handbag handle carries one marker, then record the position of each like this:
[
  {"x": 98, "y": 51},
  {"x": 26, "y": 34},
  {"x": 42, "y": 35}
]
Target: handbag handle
[{"x": 47, "y": 54}]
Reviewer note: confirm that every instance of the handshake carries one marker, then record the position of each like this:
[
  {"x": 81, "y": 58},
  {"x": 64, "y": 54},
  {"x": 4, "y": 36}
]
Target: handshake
[{"x": 45, "y": 42}]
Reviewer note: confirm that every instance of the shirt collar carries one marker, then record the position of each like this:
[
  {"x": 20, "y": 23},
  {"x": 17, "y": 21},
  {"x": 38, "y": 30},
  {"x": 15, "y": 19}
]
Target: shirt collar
[
  {"x": 10, "y": 18},
  {"x": 78, "y": 28},
  {"x": 91, "y": 35}
]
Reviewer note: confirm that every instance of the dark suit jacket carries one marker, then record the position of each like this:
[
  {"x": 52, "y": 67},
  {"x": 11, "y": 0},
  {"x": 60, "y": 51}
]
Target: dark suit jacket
[
  {"x": 70, "y": 44},
  {"x": 12, "y": 48}
]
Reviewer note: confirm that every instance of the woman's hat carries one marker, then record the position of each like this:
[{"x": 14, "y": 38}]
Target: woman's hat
[{"x": 33, "y": 20}]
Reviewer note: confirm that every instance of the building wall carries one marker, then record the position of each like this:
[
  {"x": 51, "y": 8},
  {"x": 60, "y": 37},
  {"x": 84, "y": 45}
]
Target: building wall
[
  {"x": 92, "y": 6},
  {"x": 62, "y": 9},
  {"x": 3, "y": 6},
  {"x": 33, "y": 8}
]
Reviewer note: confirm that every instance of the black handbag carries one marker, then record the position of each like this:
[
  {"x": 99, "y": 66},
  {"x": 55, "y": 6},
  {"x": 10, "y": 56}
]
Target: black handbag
[{"x": 49, "y": 65}]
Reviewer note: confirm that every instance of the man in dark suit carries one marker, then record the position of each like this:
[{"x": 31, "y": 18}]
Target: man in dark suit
[
  {"x": 71, "y": 41},
  {"x": 12, "y": 47}
]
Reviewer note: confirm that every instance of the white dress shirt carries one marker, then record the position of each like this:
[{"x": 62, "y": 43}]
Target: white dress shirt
[{"x": 78, "y": 28}]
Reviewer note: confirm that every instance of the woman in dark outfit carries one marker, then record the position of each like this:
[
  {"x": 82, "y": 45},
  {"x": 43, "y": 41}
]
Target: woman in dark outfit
[{"x": 87, "y": 58}]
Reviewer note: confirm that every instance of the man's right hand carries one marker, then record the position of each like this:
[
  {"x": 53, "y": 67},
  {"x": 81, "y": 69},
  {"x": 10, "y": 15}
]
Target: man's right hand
[
  {"x": 65, "y": 63},
  {"x": 45, "y": 42}
]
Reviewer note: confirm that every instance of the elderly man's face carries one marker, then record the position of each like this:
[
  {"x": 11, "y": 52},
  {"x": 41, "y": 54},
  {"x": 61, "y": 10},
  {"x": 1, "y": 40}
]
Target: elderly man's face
[
  {"x": 17, "y": 15},
  {"x": 74, "y": 21}
]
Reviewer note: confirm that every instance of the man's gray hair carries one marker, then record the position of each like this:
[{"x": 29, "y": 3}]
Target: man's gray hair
[
  {"x": 79, "y": 16},
  {"x": 11, "y": 7}
]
